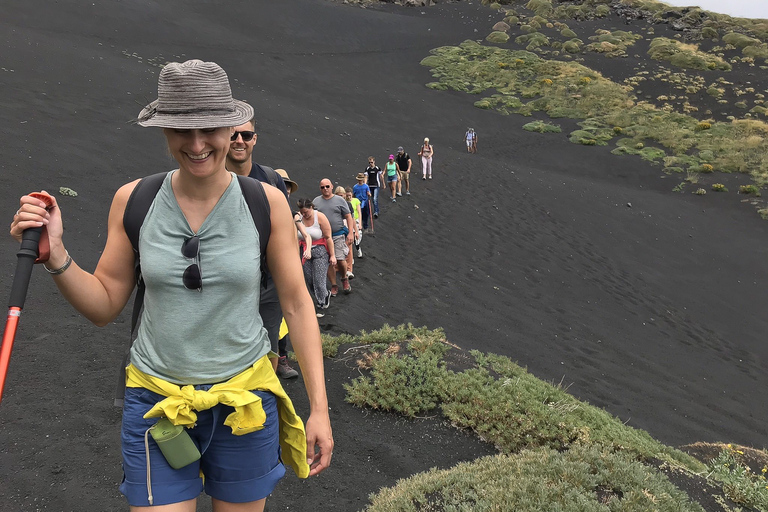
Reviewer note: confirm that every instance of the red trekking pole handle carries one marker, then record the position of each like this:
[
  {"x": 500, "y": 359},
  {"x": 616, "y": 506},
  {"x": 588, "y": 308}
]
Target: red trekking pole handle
[{"x": 28, "y": 253}]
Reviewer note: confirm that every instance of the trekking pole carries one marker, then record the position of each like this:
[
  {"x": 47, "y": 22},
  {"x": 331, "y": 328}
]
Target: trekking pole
[
  {"x": 370, "y": 215},
  {"x": 28, "y": 253}
]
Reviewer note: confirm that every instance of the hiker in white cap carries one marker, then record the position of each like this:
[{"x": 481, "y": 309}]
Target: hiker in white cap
[{"x": 200, "y": 359}]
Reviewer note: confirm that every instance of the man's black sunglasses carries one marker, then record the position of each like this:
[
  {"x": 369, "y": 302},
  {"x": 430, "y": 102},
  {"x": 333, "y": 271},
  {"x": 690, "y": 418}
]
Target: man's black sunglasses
[
  {"x": 247, "y": 136},
  {"x": 193, "y": 277}
]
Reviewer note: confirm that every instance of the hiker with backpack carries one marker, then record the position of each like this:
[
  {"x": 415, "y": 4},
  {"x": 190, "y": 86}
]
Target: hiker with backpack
[
  {"x": 199, "y": 361},
  {"x": 239, "y": 161}
]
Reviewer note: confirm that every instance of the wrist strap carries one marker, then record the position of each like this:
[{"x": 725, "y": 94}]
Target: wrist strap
[{"x": 61, "y": 269}]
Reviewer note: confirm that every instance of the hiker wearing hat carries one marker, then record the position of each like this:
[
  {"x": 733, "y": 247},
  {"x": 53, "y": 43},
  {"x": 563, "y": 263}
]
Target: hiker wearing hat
[
  {"x": 290, "y": 185},
  {"x": 363, "y": 192},
  {"x": 403, "y": 171},
  {"x": 200, "y": 357},
  {"x": 391, "y": 169},
  {"x": 239, "y": 161},
  {"x": 426, "y": 153}
]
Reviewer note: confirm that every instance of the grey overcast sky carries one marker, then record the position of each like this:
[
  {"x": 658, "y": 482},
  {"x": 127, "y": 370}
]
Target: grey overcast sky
[{"x": 740, "y": 8}]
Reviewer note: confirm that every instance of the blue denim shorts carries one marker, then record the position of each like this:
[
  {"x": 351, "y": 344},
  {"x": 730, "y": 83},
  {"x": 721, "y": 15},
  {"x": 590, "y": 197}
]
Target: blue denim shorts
[{"x": 236, "y": 469}]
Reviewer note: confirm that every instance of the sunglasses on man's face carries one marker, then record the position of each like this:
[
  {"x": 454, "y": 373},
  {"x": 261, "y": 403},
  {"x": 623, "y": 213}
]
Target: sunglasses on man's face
[
  {"x": 325, "y": 186},
  {"x": 193, "y": 277},
  {"x": 247, "y": 136}
]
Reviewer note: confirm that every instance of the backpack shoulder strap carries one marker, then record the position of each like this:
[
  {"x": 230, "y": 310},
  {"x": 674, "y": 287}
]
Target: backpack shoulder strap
[
  {"x": 135, "y": 211},
  {"x": 257, "y": 202},
  {"x": 272, "y": 177},
  {"x": 138, "y": 205}
]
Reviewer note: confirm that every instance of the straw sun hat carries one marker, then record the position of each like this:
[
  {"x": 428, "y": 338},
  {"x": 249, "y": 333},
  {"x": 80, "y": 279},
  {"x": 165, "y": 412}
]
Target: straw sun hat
[
  {"x": 194, "y": 94},
  {"x": 291, "y": 185}
]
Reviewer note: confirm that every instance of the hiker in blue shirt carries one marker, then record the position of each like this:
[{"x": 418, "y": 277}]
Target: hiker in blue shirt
[{"x": 363, "y": 193}]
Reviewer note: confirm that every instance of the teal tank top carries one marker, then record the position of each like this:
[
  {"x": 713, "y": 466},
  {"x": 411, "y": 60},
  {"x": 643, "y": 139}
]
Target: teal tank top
[
  {"x": 391, "y": 169},
  {"x": 200, "y": 337}
]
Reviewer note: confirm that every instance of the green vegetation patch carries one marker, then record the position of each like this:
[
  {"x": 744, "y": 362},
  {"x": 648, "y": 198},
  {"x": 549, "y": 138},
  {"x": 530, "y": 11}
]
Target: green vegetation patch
[
  {"x": 740, "y": 40},
  {"x": 542, "y": 127},
  {"x": 524, "y": 83},
  {"x": 557, "y": 453},
  {"x": 540, "y": 7},
  {"x": 585, "y": 478},
  {"x": 686, "y": 56},
  {"x": 497, "y": 37},
  {"x": 612, "y": 44},
  {"x": 495, "y": 397}
]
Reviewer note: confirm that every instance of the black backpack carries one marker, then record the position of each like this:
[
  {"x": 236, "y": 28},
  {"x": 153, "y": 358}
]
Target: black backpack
[{"x": 136, "y": 210}]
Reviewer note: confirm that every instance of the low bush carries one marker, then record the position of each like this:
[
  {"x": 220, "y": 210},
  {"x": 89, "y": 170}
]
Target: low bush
[
  {"x": 497, "y": 37},
  {"x": 685, "y": 56},
  {"x": 749, "y": 189},
  {"x": 740, "y": 40},
  {"x": 542, "y": 127}
]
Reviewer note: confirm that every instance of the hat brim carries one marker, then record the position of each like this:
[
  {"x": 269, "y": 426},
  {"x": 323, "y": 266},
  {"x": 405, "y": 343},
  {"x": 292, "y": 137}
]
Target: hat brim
[
  {"x": 242, "y": 113},
  {"x": 291, "y": 185}
]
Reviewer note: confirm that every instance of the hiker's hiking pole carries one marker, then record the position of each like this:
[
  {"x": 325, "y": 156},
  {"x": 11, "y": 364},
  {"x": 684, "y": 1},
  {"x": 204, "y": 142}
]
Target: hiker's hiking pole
[
  {"x": 370, "y": 216},
  {"x": 28, "y": 253}
]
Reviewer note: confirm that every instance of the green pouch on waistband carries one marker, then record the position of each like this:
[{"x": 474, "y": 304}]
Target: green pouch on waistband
[{"x": 174, "y": 441}]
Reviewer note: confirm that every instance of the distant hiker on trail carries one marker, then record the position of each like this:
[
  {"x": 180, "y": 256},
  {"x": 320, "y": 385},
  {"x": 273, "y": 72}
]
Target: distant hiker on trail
[
  {"x": 391, "y": 168},
  {"x": 426, "y": 153},
  {"x": 337, "y": 211},
  {"x": 404, "y": 171},
  {"x": 375, "y": 182},
  {"x": 471, "y": 139},
  {"x": 200, "y": 262},
  {"x": 342, "y": 193},
  {"x": 357, "y": 215},
  {"x": 323, "y": 253},
  {"x": 239, "y": 161},
  {"x": 363, "y": 192}
]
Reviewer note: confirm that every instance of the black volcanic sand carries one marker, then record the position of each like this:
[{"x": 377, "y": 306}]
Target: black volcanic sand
[{"x": 580, "y": 265}]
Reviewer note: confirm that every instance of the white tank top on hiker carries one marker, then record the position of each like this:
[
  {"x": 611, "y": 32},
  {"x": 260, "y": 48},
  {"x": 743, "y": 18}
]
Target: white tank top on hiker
[
  {"x": 314, "y": 230},
  {"x": 200, "y": 337}
]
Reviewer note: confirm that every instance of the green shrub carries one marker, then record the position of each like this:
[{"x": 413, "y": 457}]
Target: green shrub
[
  {"x": 586, "y": 478},
  {"x": 742, "y": 485},
  {"x": 740, "y": 40},
  {"x": 497, "y": 37},
  {"x": 709, "y": 33},
  {"x": 684, "y": 55},
  {"x": 716, "y": 92},
  {"x": 542, "y": 127},
  {"x": 567, "y": 32},
  {"x": 572, "y": 46},
  {"x": 749, "y": 189},
  {"x": 719, "y": 187},
  {"x": 540, "y": 7}
]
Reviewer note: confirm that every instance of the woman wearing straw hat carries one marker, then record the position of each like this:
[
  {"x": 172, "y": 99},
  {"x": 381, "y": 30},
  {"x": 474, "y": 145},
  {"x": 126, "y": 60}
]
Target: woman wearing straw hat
[{"x": 200, "y": 357}]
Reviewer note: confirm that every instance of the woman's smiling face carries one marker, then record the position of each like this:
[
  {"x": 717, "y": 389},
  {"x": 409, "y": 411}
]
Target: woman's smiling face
[{"x": 201, "y": 152}]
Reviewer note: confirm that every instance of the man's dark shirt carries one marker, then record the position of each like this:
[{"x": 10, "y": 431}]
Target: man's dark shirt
[
  {"x": 373, "y": 175},
  {"x": 402, "y": 161}
]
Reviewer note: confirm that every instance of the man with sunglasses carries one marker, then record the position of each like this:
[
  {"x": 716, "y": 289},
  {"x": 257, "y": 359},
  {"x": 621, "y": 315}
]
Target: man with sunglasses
[
  {"x": 239, "y": 161},
  {"x": 336, "y": 209}
]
